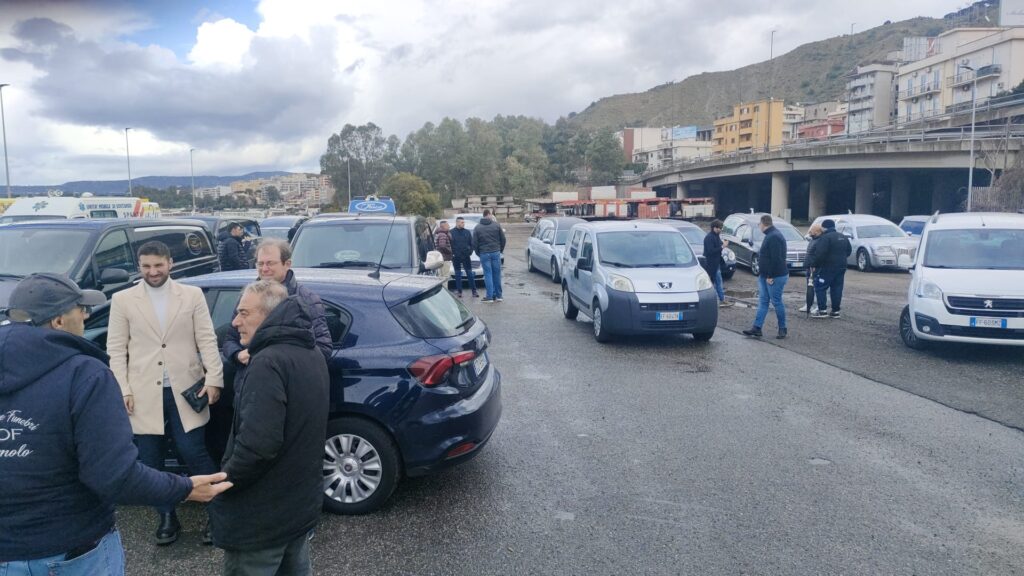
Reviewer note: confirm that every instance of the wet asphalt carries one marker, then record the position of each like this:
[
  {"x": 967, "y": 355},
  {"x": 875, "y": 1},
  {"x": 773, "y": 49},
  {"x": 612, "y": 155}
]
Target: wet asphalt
[{"x": 834, "y": 451}]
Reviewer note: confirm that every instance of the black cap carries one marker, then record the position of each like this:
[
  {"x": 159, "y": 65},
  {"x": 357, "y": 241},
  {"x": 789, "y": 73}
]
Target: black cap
[
  {"x": 42, "y": 297},
  {"x": 828, "y": 223}
]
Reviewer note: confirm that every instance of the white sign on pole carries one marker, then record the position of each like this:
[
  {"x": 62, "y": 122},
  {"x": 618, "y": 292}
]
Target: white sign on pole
[{"x": 1011, "y": 13}]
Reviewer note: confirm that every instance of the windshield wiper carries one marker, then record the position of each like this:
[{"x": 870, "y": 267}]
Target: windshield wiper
[
  {"x": 658, "y": 265},
  {"x": 616, "y": 264},
  {"x": 353, "y": 264}
]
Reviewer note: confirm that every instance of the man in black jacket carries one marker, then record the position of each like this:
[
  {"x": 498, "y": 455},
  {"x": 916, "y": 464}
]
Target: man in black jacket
[
  {"x": 462, "y": 250},
  {"x": 230, "y": 251},
  {"x": 275, "y": 454},
  {"x": 772, "y": 280},
  {"x": 489, "y": 240},
  {"x": 713, "y": 246},
  {"x": 829, "y": 261}
]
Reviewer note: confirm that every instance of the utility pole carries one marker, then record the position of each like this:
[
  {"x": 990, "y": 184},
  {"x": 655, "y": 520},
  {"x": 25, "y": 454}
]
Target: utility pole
[
  {"x": 348, "y": 167},
  {"x": 3, "y": 120},
  {"x": 128, "y": 154},
  {"x": 192, "y": 169},
  {"x": 974, "y": 111},
  {"x": 771, "y": 60}
]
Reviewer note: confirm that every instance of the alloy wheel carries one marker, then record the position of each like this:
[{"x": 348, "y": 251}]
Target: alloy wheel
[{"x": 352, "y": 468}]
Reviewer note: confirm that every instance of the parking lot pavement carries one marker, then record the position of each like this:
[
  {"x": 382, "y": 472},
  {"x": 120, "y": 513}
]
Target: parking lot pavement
[{"x": 665, "y": 456}]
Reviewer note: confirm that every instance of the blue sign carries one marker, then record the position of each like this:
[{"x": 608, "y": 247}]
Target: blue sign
[
  {"x": 684, "y": 133},
  {"x": 372, "y": 205}
]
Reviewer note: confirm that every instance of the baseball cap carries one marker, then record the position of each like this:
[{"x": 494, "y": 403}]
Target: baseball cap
[{"x": 43, "y": 296}]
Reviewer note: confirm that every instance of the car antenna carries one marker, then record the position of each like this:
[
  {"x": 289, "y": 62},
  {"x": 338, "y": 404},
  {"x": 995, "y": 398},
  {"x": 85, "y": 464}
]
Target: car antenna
[
  {"x": 376, "y": 273},
  {"x": 935, "y": 217}
]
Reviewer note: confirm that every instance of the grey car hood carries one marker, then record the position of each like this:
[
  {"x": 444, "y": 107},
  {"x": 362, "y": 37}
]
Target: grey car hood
[{"x": 660, "y": 280}]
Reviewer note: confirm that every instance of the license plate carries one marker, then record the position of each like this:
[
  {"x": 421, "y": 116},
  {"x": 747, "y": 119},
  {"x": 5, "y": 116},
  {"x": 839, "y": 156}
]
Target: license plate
[
  {"x": 668, "y": 316},
  {"x": 797, "y": 264},
  {"x": 988, "y": 322},
  {"x": 480, "y": 364}
]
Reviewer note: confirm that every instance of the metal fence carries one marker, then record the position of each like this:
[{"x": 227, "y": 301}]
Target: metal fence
[{"x": 997, "y": 199}]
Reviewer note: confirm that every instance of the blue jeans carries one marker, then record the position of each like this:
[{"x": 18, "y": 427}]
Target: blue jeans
[
  {"x": 466, "y": 264},
  {"x": 106, "y": 559},
  {"x": 191, "y": 446},
  {"x": 717, "y": 280},
  {"x": 829, "y": 280},
  {"x": 770, "y": 295},
  {"x": 491, "y": 262}
]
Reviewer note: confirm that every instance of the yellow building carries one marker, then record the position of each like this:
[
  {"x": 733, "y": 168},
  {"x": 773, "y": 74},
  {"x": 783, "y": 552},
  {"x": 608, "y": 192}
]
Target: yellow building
[{"x": 752, "y": 126}]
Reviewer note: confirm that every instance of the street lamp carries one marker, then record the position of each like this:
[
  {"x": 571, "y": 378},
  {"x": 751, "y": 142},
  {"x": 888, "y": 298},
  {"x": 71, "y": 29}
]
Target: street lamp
[
  {"x": 974, "y": 110},
  {"x": 348, "y": 167},
  {"x": 128, "y": 154},
  {"x": 192, "y": 169},
  {"x": 3, "y": 120},
  {"x": 771, "y": 60}
]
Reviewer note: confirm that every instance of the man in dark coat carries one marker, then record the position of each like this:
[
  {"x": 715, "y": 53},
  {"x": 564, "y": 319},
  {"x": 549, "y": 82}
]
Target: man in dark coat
[
  {"x": 489, "y": 240},
  {"x": 230, "y": 251},
  {"x": 68, "y": 453},
  {"x": 829, "y": 261},
  {"x": 275, "y": 454},
  {"x": 713, "y": 247},
  {"x": 462, "y": 250},
  {"x": 772, "y": 280}
]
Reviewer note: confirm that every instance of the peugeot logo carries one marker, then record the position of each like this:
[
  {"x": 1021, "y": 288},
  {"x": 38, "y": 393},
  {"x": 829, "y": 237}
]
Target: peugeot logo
[
  {"x": 988, "y": 304},
  {"x": 665, "y": 285}
]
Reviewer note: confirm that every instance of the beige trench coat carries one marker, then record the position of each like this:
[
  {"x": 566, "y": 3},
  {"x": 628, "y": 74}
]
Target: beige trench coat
[{"x": 139, "y": 353}]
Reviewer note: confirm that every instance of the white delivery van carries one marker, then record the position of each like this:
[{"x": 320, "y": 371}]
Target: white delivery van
[{"x": 67, "y": 208}]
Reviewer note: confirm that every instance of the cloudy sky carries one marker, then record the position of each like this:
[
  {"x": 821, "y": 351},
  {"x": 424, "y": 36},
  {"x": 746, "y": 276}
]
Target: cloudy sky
[{"x": 260, "y": 85}]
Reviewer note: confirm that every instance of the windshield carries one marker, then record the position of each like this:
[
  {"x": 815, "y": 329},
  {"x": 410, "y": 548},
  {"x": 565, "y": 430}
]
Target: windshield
[
  {"x": 880, "y": 231},
  {"x": 694, "y": 236},
  {"x": 913, "y": 226},
  {"x": 561, "y": 237},
  {"x": 788, "y": 232},
  {"x": 24, "y": 251},
  {"x": 281, "y": 233},
  {"x": 984, "y": 249},
  {"x": 644, "y": 249},
  {"x": 29, "y": 217},
  {"x": 353, "y": 241}
]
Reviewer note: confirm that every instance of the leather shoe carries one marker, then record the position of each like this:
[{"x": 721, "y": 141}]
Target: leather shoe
[
  {"x": 754, "y": 332},
  {"x": 168, "y": 530},
  {"x": 782, "y": 334}
]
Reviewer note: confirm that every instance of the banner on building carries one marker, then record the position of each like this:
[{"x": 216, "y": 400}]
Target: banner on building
[
  {"x": 684, "y": 133},
  {"x": 1011, "y": 13}
]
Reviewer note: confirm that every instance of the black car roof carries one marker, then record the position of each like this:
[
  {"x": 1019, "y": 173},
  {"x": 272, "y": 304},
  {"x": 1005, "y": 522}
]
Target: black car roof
[
  {"x": 334, "y": 219},
  {"x": 334, "y": 284},
  {"x": 102, "y": 223}
]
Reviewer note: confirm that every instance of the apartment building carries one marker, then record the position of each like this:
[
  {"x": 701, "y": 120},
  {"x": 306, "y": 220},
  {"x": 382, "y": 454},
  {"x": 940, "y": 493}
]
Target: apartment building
[
  {"x": 751, "y": 126},
  {"x": 677, "y": 143},
  {"x": 633, "y": 139},
  {"x": 942, "y": 82},
  {"x": 792, "y": 116},
  {"x": 871, "y": 96}
]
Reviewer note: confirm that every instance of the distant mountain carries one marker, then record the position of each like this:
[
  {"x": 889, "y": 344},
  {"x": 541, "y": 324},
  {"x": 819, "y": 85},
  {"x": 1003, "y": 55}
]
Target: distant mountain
[
  {"x": 813, "y": 72},
  {"x": 120, "y": 187}
]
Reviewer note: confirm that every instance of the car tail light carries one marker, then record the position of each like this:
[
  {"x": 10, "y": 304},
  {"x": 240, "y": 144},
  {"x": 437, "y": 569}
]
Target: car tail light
[
  {"x": 433, "y": 370},
  {"x": 461, "y": 449}
]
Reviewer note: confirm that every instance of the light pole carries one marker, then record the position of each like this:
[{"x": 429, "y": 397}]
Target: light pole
[
  {"x": 852, "y": 24},
  {"x": 771, "y": 60},
  {"x": 3, "y": 120},
  {"x": 348, "y": 167},
  {"x": 974, "y": 110},
  {"x": 192, "y": 169},
  {"x": 128, "y": 154}
]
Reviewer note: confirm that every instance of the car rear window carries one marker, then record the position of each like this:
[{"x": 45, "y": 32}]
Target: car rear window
[{"x": 433, "y": 314}]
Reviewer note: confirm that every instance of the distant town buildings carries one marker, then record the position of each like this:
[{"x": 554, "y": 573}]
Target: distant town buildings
[
  {"x": 295, "y": 190},
  {"x": 751, "y": 126},
  {"x": 870, "y": 96},
  {"x": 676, "y": 143}
]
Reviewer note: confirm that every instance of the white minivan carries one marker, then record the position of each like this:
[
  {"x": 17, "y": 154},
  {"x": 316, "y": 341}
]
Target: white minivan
[
  {"x": 636, "y": 278},
  {"x": 968, "y": 283}
]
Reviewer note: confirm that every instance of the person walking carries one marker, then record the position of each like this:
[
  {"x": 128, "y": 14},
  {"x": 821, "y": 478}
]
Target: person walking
[
  {"x": 231, "y": 251},
  {"x": 815, "y": 232},
  {"x": 443, "y": 243},
  {"x": 275, "y": 453},
  {"x": 713, "y": 246},
  {"x": 772, "y": 280},
  {"x": 462, "y": 251},
  {"x": 157, "y": 333},
  {"x": 489, "y": 240},
  {"x": 829, "y": 261},
  {"x": 66, "y": 441}
]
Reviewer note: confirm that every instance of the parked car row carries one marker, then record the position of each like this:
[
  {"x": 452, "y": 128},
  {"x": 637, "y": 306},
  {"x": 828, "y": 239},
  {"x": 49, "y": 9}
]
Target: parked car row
[{"x": 876, "y": 242}]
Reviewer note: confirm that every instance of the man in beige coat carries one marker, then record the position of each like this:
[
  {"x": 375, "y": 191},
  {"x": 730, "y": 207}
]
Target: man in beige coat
[{"x": 161, "y": 342}]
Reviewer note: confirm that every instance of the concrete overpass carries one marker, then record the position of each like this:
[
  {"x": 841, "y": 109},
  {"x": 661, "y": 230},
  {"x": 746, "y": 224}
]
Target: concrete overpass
[{"x": 891, "y": 174}]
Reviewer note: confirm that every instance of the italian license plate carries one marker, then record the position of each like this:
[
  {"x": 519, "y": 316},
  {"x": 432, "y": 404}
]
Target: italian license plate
[
  {"x": 668, "y": 316},
  {"x": 480, "y": 364},
  {"x": 797, "y": 264},
  {"x": 988, "y": 322}
]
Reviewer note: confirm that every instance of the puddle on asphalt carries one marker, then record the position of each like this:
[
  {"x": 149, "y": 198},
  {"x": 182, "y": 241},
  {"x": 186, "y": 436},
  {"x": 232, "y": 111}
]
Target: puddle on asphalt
[
  {"x": 552, "y": 295},
  {"x": 741, "y": 293}
]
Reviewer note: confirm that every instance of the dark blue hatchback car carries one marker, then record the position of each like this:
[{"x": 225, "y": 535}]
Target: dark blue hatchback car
[{"x": 412, "y": 386}]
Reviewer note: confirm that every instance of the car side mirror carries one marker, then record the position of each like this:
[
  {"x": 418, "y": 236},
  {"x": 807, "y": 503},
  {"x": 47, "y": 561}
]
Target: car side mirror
[
  {"x": 547, "y": 241},
  {"x": 583, "y": 264},
  {"x": 749, "y": 241},
  {"x": 114, "y": 276}
]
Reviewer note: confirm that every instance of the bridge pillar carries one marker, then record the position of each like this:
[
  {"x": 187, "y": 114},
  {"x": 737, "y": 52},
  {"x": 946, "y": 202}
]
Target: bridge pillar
[
  {"x": 865, "y": 191},
  {"x": 899, "y": 195},
  {"x": 817, "y": 205},
  {"x": 780, "y": 194},
  {"x": 682, "y": 190},
  {"x": 712, "y": 190}
]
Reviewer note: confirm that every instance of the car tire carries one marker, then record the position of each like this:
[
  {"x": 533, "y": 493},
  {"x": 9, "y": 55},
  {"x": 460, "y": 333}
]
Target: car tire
[
  {"x": 728, "y": 275},
  {"x": 569, "y": 310},
  {"x": 529, "y": 263},
  {"x": 601, "y": 333},
  {"x": 703, "y": 336},
  {"x": 864, "y": 261},
  {"x": 907, "y": 332},
  {"x": 755, "y": 268},
  {"x": 555, "y": 276},
  {"x": 348, "y": 440}
]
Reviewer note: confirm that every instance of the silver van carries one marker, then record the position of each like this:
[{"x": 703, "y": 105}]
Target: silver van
[{"x": 636, "y": 278}]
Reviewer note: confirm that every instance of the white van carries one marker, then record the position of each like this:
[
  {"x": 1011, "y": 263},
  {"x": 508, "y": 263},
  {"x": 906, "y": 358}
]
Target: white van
[
  {"x": 968, "y": 283},
  {"x": 67, "y": 208}
]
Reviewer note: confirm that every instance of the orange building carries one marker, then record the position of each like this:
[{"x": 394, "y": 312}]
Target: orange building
[{"x": 752, "y": 126}]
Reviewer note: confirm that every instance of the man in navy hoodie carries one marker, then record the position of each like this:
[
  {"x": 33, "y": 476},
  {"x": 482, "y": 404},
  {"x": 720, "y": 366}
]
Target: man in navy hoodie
[{"x": 66, "y": 446}]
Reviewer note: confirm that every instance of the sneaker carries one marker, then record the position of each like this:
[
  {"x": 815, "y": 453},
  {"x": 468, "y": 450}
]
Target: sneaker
[
  {"x": 724, "y": 304},
  {"x": 802, "y": 308},
  {"x": 819, "y": 314},
  {"x": 459, "y": 294},
  {"x": 754, "y": 332},
  {"x": 834, "y": 314},
  {"x": 476, "y": 294},
  {"x": 488, "y": 300},
  {"x": 500, "y": 299},
  {"x": 782, "y": 334}
]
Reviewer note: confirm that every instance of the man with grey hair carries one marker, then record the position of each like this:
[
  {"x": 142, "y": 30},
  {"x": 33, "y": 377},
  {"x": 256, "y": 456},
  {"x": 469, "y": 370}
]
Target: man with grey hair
[{"x": 274, "y": 455}]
